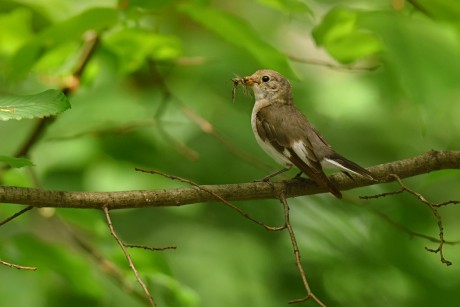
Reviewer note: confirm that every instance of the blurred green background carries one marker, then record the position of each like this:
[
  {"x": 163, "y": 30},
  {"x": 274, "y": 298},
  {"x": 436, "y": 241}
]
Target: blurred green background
[{"x": 157, "y": 95}]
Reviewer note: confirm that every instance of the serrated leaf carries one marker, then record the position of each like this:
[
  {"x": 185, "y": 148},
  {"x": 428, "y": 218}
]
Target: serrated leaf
[
  {"x": 15, "y": 162},
  {"x": 239, "y": 33},
  {"x": 47, "y": 103}
]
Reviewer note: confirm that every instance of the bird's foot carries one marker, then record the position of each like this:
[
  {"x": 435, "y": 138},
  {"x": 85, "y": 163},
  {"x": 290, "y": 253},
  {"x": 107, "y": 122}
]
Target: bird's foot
[{"x": 265, "y": 179}]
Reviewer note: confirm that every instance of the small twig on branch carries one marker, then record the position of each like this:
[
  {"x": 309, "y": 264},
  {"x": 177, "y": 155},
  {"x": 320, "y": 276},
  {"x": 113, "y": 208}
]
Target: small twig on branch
[
  {"x": 158, "y": 80},
  {"x": 105, "y": 265},
  {"x": 202, "y": 123},
  {"x": 104, "y": 131},
  {"x": 128, "y": 257},
  {"x": 428, "y": 162},
  {"x": 333, "y": 66},
  {"x": 150, "y": 247},
  {"x": 367, "y": 197},
  {"x": 399, "y": 226},
  {"x": 19, "y": 267},
  {"x": 15, "y": 215},
  {"x": 420, "y": 8},
  {"x": 90, "y": 42},
  {"x": 310, "y": 294},
  {"x": 434, "y": 208},
  {"x": 217, "y": 196},
  {"x": 449, "y": 202}
]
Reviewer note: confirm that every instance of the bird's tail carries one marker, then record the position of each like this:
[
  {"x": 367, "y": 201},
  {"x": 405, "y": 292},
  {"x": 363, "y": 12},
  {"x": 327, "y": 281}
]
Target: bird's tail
[
  {"x": 320, "y": 178},
  {"x": 334, "y": 191},
  {"x": 348, "y": 166}
]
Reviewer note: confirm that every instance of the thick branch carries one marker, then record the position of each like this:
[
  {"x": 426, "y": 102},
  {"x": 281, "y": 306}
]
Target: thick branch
[{"x": 428, "y": 162}]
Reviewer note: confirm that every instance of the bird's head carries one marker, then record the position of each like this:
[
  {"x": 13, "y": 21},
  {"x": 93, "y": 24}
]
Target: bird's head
[{"x": 269, "y": 84}]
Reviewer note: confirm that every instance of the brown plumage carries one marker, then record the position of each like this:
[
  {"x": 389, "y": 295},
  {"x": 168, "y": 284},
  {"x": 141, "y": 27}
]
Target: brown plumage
[{"x": 286, "y": 134}]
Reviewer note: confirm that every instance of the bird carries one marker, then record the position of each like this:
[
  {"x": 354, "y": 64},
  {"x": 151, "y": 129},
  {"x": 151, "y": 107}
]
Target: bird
[{"x": 286, "y": 135}]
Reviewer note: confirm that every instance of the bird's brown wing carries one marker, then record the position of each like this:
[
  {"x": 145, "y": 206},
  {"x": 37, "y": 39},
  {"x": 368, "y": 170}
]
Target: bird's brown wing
[
  {"x": 339, "y": 160},
  {"x": 287, "y": 134}
]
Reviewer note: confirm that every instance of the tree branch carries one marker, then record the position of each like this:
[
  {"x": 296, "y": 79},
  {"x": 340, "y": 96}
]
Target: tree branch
[
  {"x": 128, "y": 257},
  {"x": 295, "y": 247},
  {"x": 428, "y": 162},
  {"x": 91, "y": 41},
  {"x": 19, "y": 267}
]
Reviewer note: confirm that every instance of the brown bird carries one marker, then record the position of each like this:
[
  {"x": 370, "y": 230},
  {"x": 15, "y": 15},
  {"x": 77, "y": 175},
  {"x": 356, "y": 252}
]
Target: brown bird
[{"x": 286, "y": 134}]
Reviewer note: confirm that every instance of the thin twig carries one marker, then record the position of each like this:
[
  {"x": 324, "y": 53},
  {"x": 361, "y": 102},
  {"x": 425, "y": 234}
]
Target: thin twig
[
  {"x": 367, "y": 197},
  {"x": 420, "y": 8},
  {"x": 449, "y": 202},
  {"x": 182, "y": 148},
  {"x": 33, "y": 137},
  {"x": 333, "y": 66},
  {"x": 150, "y": 247},
  {"x": 434, "y": 208},
  {"x": 19, "y": 267},
  {"x": 128, "y": 257},
  {"x": 15, "y": 215},
  {"x": 203, "y": 124},
  {"x": 217, "y": 196},
  {"x": 422, "y": 164},
  {"x": 310, "y": 294},
  {"x": 116, "y": 130},
  {"x": 91, "y": 40},
  {"x": 287, "y": 225},
  {"x": 104, "y": 264},
  {"x": 208, "y": 128},
  {"x": 401, "y": 227},
  {"x": 160, "y": 82}
]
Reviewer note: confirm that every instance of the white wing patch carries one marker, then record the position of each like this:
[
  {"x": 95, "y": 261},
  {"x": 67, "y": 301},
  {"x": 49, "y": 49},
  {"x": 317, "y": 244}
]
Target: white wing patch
[
  {"x": 331, "y": 164},
  {"x": 286, "y": 153},
  {"x": 301, "y": 151}
]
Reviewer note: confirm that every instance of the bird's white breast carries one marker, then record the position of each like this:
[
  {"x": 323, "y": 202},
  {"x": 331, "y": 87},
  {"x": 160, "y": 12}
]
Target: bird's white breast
[{"x": 266, "y": 146}]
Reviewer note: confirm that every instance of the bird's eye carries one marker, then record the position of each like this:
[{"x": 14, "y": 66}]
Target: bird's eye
[{"x": 265, "y": 78}]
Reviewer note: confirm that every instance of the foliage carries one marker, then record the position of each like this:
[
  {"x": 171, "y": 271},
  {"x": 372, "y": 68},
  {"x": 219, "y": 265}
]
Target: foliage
[
  {"x": 15, "y": 162},
  {"x": 47, "y": 103},
  {"x": 156, "y": 94}
]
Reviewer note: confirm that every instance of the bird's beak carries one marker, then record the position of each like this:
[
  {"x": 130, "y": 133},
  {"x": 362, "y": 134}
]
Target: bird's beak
[{"x": 248, "y": 81}]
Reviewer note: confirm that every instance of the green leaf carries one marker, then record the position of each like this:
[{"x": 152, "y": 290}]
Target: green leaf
[
  {"x": 448, "y": 10},
  {"x": 65, "y": 31},
  {"x": 16, "y": 162},
  {"x": 144, "y": 4},
  {"x": 47, "y": 103},
  {"x": 410, "y": 44},
  {"x": 340, "y": 34},
  {"x": 16, "y": 30},
  {"x": 239, "y": 33},
  {"x": 135, "y": 46},
  {"x": 287, "y": 6}
]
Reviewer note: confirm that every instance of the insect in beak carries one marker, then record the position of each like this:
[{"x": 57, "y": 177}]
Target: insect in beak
[{"x": 236, "y": 82}]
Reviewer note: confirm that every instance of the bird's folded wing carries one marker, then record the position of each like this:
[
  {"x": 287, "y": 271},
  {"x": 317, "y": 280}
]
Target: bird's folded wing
[
  {"x": 340, "y": 161},
  {"x": 288, "y": 136}
]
